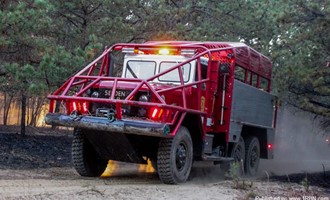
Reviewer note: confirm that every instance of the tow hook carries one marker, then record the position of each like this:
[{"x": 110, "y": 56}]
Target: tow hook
[
  {"x": 111, "y": 116},
  {"x": 75, "y": 115}
]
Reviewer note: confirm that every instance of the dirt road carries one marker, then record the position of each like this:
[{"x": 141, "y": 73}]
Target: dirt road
[
  {"x": 38, "y": 167},
  {"x": 64, "y": 183}
]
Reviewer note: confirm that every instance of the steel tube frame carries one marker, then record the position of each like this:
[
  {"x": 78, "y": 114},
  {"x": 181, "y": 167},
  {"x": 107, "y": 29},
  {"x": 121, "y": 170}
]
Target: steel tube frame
[{"x": 62, "y": 93}]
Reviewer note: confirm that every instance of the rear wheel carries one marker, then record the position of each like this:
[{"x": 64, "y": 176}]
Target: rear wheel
[
  {"x": 86, "y": 160},
  {"x": 238, "y": 153},
  {"x": 252, "y": 156},
  {"x": 174, "y": 159}
]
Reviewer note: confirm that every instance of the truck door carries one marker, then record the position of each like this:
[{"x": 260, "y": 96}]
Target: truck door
[{"x": 222, "y": 99}]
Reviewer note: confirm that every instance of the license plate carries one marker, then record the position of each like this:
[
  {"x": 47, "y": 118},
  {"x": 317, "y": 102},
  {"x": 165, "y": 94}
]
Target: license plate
[{"x": 121, "y": 94}]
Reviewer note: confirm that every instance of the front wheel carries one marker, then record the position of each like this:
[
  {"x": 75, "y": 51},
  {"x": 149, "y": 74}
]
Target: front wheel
[
  {"x": 174, "y": 158},
  {"x": 86, "y": 160}
]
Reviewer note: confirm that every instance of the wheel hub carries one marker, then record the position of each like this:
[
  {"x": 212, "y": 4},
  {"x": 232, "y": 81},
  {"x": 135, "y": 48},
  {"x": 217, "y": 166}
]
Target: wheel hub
[
  {"x": 181, "y": 157},
  {"x": 238, "y": 154},
  {"x": 254, "y": 157}
]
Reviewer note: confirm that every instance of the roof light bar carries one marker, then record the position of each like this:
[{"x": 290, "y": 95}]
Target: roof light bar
[
  {"x": 159, "y": 51},
  {"x": 164, "y": 51},
  {"x": 128, "y": 50},
  {"x": 188, "y": 52}
]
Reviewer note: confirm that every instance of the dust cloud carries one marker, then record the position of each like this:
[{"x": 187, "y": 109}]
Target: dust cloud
[
  {"x": 206, "y": 172},
  {"x": 300, "y": 145}
]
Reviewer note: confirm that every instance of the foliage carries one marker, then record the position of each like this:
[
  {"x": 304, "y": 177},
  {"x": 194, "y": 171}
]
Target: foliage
[
  {"x": 235, "y": 173},
  {"x": 305, "y": 183},
  {"x": 302, "y": 78},
  {"x": 21, "y": 41},
  {"x": 43, "y": 42}
]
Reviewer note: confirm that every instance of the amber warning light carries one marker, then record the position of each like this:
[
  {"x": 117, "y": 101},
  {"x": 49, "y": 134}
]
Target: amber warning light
[
  {"x": 78, "y": 106},
  {"x": 164, "y": 52},
  {"x": 158, "y": 51},
  {"x": 155, "y": 113}
]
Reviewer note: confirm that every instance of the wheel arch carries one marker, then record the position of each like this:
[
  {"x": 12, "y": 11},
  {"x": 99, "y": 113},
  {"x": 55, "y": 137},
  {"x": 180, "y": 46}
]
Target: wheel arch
[{"x": 194, "y": 125}]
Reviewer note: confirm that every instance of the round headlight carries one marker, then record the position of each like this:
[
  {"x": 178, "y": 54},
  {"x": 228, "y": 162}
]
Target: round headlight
[
  {"x": 144, "y": 98},
  {"x": 95, "y": 94}
]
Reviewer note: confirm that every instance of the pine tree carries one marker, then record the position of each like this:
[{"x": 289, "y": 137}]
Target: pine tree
[{"x": 303, "y": 78}]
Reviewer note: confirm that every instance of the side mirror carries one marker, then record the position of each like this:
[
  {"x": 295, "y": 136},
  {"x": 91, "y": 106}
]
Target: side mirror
[{"x": 111, "y": 64}]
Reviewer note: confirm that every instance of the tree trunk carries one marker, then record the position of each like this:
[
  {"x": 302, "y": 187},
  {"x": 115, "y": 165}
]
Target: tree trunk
[
  {"x": 36, "y": 107},
  {"x": 7, "y": 103},
  {"x": 28, "y": 110},
  {"x": 57, "y": 108},
  {"x": 23, "y": 114},
  {"x": 4, "y": 110}
]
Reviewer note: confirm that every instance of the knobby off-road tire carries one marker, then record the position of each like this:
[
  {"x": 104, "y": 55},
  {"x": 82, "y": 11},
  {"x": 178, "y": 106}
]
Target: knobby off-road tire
[
  {"x": 252, "y": 156},
  {"x": 174, "y": 159},
  {"x": 86, "y": 160},
  {"x": 238, "y": 153}
]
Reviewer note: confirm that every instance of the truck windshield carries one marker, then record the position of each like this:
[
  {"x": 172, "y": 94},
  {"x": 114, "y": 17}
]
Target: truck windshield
[
  {"x": 173, "y": 76},
  {"x": 140, "y": 69},
  {"x": 145, "y": 69}
]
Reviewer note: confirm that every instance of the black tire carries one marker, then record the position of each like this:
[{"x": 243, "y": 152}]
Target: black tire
[
  {"x": 238, "y": 153},
  {"x": 86, "y": 160},
  {"x": 174, "y": 158},
  {"x": 252, "y": 156}
]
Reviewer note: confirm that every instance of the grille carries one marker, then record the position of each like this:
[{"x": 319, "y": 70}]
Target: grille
[
  {"x": 106, "y": 110},
  {"x": 120, "y": 94}
]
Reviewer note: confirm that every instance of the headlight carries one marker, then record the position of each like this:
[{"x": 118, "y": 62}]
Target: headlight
[
  {"x": 144, "y": 98},
  {"x": 95, "y": 94}
]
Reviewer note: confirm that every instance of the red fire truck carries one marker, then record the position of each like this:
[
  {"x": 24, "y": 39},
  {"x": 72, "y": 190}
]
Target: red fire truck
[{"x": 173, "y": 102}]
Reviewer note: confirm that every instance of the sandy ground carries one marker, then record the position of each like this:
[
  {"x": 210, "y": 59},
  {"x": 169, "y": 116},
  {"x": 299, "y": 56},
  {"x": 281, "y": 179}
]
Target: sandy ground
[
  {"x": 64, "y": 183},
  {"x": 130, "y": 182},
  {"x": 38, "y": 166}
]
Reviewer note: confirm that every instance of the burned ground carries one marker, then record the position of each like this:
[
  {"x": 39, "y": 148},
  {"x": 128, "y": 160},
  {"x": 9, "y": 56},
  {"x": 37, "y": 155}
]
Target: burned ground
[
  {"x": 38, "y": 165},
  {"x": 34, "y": 151}
]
